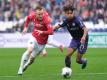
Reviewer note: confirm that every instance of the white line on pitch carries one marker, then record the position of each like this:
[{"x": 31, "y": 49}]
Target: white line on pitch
[
  {"x": 8, "y": 76},
  {"x": 91, "y": 74},
  {"x": 58, "y": 74}
]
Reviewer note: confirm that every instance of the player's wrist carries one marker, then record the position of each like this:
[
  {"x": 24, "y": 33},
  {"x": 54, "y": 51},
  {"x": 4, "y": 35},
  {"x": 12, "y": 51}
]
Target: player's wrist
[
  {"x": 84, "y": 35},
  {"x": 25, "y": 29}
]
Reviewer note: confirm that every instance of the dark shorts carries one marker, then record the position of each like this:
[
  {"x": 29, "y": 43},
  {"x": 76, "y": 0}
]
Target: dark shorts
[{"x": 75, "y": 44}]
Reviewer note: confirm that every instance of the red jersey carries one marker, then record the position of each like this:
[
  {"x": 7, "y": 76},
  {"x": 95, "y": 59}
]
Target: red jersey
[{"x": 44, "y": 26}]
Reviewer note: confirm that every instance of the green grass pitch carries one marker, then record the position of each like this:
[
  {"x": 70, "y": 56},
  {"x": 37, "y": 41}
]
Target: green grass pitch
[{"x": 49, "y": 68}]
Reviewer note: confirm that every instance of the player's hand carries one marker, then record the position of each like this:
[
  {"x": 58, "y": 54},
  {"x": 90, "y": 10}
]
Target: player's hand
[
  {"x": 39, "y": 32},
  {"x": 83, "y": 40},
  {"x": 24, "y": 31}
]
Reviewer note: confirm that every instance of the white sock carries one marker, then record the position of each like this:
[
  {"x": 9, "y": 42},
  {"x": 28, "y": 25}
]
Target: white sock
[
  {"x": 29, "y": 61},
  {"x": 27, "y": 64},
  {"x": 24, "y": 58}
]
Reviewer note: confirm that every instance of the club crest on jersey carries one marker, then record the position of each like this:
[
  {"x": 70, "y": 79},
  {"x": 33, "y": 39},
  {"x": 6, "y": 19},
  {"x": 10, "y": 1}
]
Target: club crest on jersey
[
  {"x": 73, "y": 24},
  {"x": 39, "y": 25}
]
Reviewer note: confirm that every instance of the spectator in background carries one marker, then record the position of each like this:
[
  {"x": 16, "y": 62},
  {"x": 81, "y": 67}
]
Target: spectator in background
[{"x": 90, "y": 10}]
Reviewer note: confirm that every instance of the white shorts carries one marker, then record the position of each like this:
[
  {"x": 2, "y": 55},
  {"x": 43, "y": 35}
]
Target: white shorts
[{"x": 37, "y": 47}]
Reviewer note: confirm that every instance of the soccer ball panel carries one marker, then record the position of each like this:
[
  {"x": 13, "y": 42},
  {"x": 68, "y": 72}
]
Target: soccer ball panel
[{"x": 66, "y": 72}]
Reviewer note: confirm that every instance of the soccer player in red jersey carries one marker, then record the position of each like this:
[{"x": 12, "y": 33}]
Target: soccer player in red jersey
[
  {"x": 42, "y": 29},
  {"x": 51, "y": 41}
]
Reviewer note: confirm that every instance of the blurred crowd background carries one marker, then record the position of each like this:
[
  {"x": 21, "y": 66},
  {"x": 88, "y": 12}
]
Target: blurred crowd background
[{"x": 14, "y": 12}]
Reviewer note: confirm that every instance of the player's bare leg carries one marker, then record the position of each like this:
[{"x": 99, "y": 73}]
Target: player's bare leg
[
  {"x": 70, "y": 52},
  {"x": 44, "y": 53},
  {"x": 56, "y": 44},
  {"x": 82, "y": 61}
]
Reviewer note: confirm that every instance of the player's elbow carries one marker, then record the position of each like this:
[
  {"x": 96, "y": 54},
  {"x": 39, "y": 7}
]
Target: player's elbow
[
  {"x": 86, "y": 29},
  {"x": 51, "y": 32}
]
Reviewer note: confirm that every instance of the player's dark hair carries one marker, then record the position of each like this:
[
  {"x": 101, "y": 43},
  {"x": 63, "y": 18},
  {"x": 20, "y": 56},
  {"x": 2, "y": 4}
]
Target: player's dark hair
[{"x": 68, "y": 7}]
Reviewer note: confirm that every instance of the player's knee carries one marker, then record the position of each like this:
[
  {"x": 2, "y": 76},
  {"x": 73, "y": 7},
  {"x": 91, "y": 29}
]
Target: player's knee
[
  {"x": 30, "y": 50},
  {"x": 68, "y": 55}
]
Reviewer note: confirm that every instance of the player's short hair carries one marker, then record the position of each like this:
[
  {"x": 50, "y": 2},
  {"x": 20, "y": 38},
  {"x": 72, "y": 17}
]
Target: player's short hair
[
  {"x": 38, "y": 7},
  {"x": 68, "y": 7}
]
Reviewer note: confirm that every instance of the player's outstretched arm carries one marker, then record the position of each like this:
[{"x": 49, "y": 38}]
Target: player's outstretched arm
[
  {"x": 56, "y": 27},
  {"x": 84, "y": 35},
  {"x": 26, "y": 25},
  {"x": 24, "y": 31},
  {"x": 48, "y": 32}
]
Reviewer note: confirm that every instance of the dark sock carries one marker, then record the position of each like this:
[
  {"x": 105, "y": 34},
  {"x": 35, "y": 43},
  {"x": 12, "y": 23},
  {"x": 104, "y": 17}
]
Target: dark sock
[{"x": 68, "y": 61}]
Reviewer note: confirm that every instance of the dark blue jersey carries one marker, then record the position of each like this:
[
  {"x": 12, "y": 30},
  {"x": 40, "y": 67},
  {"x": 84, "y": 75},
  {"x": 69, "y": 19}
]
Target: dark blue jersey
[{"x": 74, "y": 26}]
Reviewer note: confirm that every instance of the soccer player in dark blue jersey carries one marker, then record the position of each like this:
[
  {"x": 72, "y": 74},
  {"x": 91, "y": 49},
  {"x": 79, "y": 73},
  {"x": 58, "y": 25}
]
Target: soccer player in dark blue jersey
[{"x": 79, "y": 34}]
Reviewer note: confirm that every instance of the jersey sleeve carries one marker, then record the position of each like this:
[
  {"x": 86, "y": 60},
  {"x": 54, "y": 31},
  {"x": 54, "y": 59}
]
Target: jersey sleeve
[
  {"x": 49, "y": 30},
  {"x": 80, "y": 22},
  {"x": 63, "y": 24},
  {"x": 28, "y": 19}
]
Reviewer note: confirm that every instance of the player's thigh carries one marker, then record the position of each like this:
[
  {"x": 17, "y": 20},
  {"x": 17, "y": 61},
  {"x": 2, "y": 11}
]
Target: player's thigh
[
  {"x": 70, "y": 51},
  {"x": 72, "y": 47}
]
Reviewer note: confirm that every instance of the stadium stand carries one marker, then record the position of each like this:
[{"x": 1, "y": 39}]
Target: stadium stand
[{"x": 13, "y": 13}]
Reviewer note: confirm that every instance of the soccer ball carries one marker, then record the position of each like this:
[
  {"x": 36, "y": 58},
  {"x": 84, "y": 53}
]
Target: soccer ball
[{"x": 66, "y": 72}]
